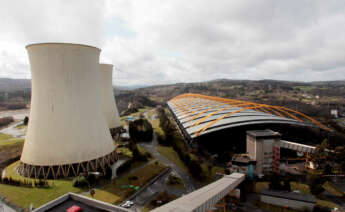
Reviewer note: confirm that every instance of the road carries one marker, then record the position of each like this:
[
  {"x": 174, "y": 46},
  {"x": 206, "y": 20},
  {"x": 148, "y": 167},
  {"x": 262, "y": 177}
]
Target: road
[
  {"x": 161, "y": 184},
  {"x": 18, "y": 115},
  {"x": 186, "y": 179}
]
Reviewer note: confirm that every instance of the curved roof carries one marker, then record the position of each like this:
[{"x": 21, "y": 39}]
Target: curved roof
[{"x": 199, "y": 114}]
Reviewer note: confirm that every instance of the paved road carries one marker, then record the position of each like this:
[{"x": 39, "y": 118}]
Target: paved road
[{"x": 186, "y": 179}]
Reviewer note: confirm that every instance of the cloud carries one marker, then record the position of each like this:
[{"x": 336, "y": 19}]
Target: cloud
[
  {"x": 156, "y": 42},
  {"x": 286, "y": 40},
  {"x": 24, "y": 21}
]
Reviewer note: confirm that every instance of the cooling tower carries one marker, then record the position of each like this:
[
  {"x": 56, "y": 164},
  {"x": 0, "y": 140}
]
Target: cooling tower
[
  {"x": 67, "y": 132},
  {"x": 110, "y": 110}
]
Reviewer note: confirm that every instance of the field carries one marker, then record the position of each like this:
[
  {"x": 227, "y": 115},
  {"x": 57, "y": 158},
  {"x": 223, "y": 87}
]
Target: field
[
  {"x": 120, "y": 188},
  {"x": 24, "y": 196}
]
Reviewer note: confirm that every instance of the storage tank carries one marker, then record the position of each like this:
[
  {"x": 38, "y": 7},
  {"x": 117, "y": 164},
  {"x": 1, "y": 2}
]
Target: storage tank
[
  {"x": 67, "y": 131},
  {"x": 109, "y": 104}
]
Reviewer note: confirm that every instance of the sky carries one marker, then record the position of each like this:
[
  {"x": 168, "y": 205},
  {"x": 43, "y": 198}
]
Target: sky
[{"x": 170, "y": 41}]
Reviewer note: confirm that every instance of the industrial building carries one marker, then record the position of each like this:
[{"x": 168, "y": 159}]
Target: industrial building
[
  {"x": 67, "y": 132},
  {"x": 198, "y": 114}
]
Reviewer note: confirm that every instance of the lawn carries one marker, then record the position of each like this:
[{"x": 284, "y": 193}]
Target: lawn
[
  {"x": 5, "y": 136},
  {"x": 211, "y": 173},
  {"x": 114, "y": 193},
  {"x": 24, "y": 196},
  {"x": 155, "y": 122},
  {"x": 10, "y": 147},
  {"x": 11, "y": 141},
  {"x": 170, "y": 153}
]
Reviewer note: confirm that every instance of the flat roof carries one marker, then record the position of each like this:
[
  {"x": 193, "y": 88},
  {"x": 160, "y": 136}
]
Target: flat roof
[
  {"x": 87, "y": 204},
  {"x": 263, "y": 133},
  {"x": 198, "y": 115},
  {"x": 289, "y": 195}
]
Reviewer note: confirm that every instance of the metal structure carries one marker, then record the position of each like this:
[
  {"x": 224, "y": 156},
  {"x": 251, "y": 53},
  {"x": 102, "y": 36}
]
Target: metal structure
[
  {"x": 67, "y": 131},
  {"x": 110, "y": 109},
  {"x": 205, "y": 198},
  {"x": 198, "y": 114}
]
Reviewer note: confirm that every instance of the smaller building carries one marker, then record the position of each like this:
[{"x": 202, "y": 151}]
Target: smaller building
[
  {"x": 334, "y": 113},
  {"x": 75, "y": 202},
  {"x": 263, "y": 146},
  {"x": 292, "y": 200},
  {"x": 241, "y": 163}
]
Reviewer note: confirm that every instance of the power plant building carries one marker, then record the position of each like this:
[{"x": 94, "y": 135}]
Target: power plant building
[
  {"x": 198, "y": 115},
  {"x": 67, "y": 131}
]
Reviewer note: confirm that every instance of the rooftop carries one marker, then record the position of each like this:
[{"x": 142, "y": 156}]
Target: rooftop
[
  {"x": 87, "y": 204},
  {"x": 290, "y": 195},
  {"x": 198, "y": 114},
  {"x": 263, "y": 133}
]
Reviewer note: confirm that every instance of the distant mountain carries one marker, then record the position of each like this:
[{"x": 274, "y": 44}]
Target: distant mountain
[{"x": 9, "y": 85}]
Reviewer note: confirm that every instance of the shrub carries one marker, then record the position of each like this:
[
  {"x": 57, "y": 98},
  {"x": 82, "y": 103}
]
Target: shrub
[
  {"x": 26, "y": 120},
  {"x": 140, "y": 130},
  {"x": 315, "y": 183},
  {"x": 80, "y": 182}
]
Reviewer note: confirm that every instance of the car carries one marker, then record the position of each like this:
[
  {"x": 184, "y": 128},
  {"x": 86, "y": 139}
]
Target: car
[{"x": 127, "y": 204}]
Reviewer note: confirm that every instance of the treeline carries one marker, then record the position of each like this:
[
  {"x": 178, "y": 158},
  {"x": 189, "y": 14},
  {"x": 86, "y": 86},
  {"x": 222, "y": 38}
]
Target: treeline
[
  {"x": 140, "y": 130},
  {"x": 172, "y": 138},
  {"x": 40, "y": 183},
  {"x": 6, "y": 120}
]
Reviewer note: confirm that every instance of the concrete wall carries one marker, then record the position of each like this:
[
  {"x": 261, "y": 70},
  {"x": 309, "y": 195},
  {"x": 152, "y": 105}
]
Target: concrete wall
[
  {"x": 286, "y": 202},
  {"x": 251, "y": 147},
  {"x": 67, "y": 124},
  {"x": 110, "y": 109}
]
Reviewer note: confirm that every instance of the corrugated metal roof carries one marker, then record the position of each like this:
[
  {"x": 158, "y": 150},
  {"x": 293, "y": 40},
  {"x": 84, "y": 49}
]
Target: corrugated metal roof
[{"x": 199, "y": 114}]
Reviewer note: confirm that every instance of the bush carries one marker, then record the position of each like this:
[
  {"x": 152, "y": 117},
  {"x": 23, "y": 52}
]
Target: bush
[
  {"x": 315, "y": 183},
  {"x": 80, "y": 182},
  {"x": 140, "y": 130},
  {"x": 26, "y": 121},
  {"x": 25, "y": 183}
]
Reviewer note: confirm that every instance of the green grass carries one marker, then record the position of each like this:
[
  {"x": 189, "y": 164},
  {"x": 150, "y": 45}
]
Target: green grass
[
  {"x": 11, "y": 142},
  {"x": 326, "y": 203},
  {"x": 155, "y": 122},
  {"x": 125, "y": 151},
  {"x": 24, "y": 196},
  {"x": 303, "y": 188},
  {"x": 114, "y": 194},
  {"x": 211, "y": 173},
  {"x": 175, "y": 182},
  {"x": 5, "y": 136},
  {"x": 6, "y": 140},
  {"x": 328, "y": 186},
  {"x": 170, "y": 153}
]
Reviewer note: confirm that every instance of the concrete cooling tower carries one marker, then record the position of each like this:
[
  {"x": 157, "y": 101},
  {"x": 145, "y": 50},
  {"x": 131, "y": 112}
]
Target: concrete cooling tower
[
  {"x": 110, "y": 109},
  {"x": 67, "y": 132}
]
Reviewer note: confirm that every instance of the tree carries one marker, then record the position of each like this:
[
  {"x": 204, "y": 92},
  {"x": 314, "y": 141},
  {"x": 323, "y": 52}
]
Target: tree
[
  {"x": 26, "y": 120},
  {"x": 315, "y": 183}
]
